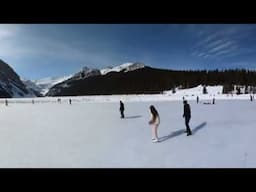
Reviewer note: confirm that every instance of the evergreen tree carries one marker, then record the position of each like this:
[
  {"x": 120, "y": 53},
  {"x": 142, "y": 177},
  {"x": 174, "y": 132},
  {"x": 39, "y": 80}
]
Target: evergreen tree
[
  {"x": 173, "y": 90},
  {"x": 204, "y": 90},
  {"x": 246, "y": 90},
  {"x": 238, "y": 90}
]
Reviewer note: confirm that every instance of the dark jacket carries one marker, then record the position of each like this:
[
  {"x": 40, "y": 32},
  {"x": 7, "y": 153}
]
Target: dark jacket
[
  {"x": 121, "y": 106},
  {"x": 187, "y": 112}
]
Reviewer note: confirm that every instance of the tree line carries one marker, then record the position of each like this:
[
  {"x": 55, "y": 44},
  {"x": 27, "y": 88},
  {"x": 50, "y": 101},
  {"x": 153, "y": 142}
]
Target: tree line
[
  {"x": 152, "y": 81},
  {"x": 234, "y": 80}
]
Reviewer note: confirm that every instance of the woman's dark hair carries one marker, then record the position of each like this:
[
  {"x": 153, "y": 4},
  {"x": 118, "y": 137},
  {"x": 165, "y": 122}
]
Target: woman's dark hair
[{"x": 153, "y": 111}]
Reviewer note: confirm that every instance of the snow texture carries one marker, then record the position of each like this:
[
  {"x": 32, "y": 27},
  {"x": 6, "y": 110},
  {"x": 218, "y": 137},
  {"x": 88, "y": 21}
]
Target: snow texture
[{"x": 90, "y": 134}]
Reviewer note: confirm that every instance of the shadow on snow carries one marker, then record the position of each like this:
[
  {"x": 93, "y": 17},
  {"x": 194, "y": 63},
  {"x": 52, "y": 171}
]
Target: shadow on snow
[
  {"x": 181, "y": 131},
  {"x": 133, "y": 117}
]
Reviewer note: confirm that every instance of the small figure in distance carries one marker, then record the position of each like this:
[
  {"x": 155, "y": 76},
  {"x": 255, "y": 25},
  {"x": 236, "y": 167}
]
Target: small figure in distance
[{"x": 121, "y": 109}]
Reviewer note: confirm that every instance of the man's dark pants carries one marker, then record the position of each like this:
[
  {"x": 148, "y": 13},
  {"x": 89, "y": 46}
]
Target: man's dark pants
[{"x": 187, "y": 119}]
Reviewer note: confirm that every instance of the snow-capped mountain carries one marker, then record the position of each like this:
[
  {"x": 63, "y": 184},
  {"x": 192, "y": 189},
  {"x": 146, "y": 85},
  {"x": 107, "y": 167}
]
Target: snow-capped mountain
[
  {"x": 43, "y": 85},
  {"x": 11, "y": 84},
  {"x": 124, "y": 67},
  {"x": 32, "y": 87},
  {"x": 103, "y": 81},
  {"x": 74, "y": 85},
  {"x": 30, "y": 84},
  {"x": 86, "y": 72}
]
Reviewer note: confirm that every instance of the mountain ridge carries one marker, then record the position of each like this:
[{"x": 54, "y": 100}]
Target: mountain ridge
[{"x": 11, "y": 84}]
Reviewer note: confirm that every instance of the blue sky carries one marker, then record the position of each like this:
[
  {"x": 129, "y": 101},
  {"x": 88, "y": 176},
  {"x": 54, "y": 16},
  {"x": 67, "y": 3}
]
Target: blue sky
[{"x": 41, "y": 50}]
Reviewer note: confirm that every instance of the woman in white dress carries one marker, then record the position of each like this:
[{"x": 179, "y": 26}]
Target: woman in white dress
[{"x": 155, "y": 121}]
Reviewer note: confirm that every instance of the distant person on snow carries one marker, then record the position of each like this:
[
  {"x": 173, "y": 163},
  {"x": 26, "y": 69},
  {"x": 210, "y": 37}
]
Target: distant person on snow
[
  {"x": 70, "y": 101},
  {"x": 121, "y": 109},
  {"x": 6, "y": 102},
  {"x": 251, "y": 98},
  {"x": 197, "y": 99},
  {"x": 213, "y": 101},
  {"x": 155, "y": 121},
  {"x": 33, "y": 101},
  {"x": 59, "y": 100},
  {"x": 187, "y": 116}
]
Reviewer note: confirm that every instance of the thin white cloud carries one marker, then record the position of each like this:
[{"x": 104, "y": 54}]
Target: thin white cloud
[
  {"x": 214, "y": 43},
  {"x": 225, "y": 45},
  {"x": 222, "y": 42},
  {"x": 221, "y": 50},
  {"x": 231, "y": 49},
  {"x": 207, "y": 40},
  {"x": 201, "y": 54}
]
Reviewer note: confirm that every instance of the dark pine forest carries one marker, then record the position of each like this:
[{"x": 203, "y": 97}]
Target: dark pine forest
[{"x": 151, "y": 81}]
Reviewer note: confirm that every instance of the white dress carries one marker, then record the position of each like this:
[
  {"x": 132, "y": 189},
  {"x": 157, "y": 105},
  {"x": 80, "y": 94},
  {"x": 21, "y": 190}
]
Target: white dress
[{"x": 157, "y": 120}]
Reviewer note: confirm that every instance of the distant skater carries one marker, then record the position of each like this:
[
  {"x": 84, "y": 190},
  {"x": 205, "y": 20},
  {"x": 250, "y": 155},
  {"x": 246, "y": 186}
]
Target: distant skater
[
  {"x": 59, "y": 100},
  {"x": 187, "y": 116},
  {"x": 121, "y": 109},
  {"x": 70, "y": 101},
  {"x": 197, "y": 99},
  {"x": 251, "y": 98},
  {"x": 6, "y": 102},
  {"x": 213, "y": 101},
  {"x": 33, "y": 101},
  {"x": 155, "y": 121}
]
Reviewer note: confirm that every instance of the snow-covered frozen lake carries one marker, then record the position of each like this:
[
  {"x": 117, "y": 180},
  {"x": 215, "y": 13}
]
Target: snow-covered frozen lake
[{"x": 92, "y": 135}]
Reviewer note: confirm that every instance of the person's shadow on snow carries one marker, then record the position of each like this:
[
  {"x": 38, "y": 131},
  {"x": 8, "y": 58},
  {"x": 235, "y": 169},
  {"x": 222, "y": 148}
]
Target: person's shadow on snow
[
  {"x": 133, "y": 117},
  {"x": 182, "y": 131},
  {"x": 173, "y": 134},
  {"x": 198, "y": 127}
]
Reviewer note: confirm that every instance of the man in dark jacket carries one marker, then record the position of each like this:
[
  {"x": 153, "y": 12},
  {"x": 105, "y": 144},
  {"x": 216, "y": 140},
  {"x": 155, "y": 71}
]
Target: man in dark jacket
[
  {"x": 122, "y": 109},
  {"x": 187, "y": 116}
]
